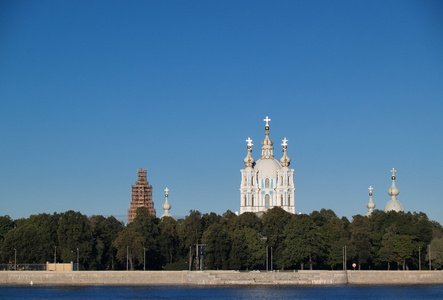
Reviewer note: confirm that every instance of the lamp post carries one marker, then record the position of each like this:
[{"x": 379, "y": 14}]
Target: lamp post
[
  {"x": 272, "y": 260},
  {"x": 55, "y": 257},
  {"x": 264, "y": 238},
  {"x": 127, "y": 258},
  {"x": 190, "y": 258},
  {"x": 15, "y": 259},
  {"x": 144, "y": 259},
  {"x": 78, "y": 265},
  {"x": 419, "y": 258},
  {"x": 430, "y": 260}
]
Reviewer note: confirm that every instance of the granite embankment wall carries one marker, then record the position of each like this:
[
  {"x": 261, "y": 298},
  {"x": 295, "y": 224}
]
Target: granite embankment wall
[{"x": 217, "y": 277}]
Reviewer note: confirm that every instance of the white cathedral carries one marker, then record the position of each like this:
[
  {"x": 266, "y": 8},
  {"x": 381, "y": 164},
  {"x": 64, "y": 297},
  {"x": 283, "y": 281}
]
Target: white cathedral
[{"x": 267, "y": 183}]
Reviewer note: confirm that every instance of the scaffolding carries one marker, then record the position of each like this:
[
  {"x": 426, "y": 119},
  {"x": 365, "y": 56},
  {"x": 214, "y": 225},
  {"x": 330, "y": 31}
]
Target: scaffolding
[{"x": 141, "y": 196}]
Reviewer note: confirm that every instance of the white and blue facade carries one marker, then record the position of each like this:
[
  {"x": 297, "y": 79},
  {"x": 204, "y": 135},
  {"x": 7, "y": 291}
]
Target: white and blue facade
[{"x": 268, "y": 182}]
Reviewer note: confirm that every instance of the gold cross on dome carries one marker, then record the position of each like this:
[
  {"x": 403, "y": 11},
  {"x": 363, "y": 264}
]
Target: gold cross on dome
[
  {"x": 370, "y": 188},
  {"x": 285, "y": 142},
  {"x": 249, "y": 142},
  {"x": 267, "y": 121},
  {"x": 393, "y": 171},
  {"x": 166, "y": 190}
]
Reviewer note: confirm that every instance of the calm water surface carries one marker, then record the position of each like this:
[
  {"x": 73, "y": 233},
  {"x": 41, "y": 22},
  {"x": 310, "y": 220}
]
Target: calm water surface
[{"x": 223, "y": 292}]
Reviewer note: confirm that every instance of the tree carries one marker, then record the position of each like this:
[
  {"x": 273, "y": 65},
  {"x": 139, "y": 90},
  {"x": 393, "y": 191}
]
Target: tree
[
  {"x": 303, "y": 243},
  {"x": 168, "y": 239},
  {"x": 129, "y": 245},
  {"x": 397, "y": 248},
  {"x": 218, "y": 244},
  {"x": 105, "y": 231},
  {"x": 422, "y": 229},
  {"x": 323, "y": 216},
  {"x": 49, "y": 223},
  {"x": 437, "y": 230},
  {"x": 229, "y": 220},
  {"x": 274, "y": 222},
  {"x": 361, "y": 239},
  {"x": 30, "y": 242},
  {"x": 6, "y": 224},
  {"x": 209, "y": 219},
  {"x": 74, "y": 231},
  {"x": 248, "y": 249},
  {"x": 436, "y": 253},
  {"x": 192, "y": 229},
  {"x": 336, "y": 237},
  {"x": 250, "y": 220},
  {"x": 148, "y": 227}
]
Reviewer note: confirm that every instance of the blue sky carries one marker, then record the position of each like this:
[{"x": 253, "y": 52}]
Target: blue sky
[{"x": 90, "y": 91}]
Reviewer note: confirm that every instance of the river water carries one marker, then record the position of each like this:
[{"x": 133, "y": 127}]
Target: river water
[{"x": 255, "y": 292}]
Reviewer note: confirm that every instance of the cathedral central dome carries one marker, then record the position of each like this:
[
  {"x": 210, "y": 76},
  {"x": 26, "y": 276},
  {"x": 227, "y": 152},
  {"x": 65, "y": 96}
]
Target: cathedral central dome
[{"x": 267, "y": 167}]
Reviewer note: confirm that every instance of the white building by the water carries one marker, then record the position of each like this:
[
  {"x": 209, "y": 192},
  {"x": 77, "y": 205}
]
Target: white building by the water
[{"x": 268, "y": 182}]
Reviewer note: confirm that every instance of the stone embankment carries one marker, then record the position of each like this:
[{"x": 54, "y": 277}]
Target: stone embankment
[{"x": 217, "y": 277}]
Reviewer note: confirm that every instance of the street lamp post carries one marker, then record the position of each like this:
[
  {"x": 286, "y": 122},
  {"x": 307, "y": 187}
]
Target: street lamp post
[
  {"x": 430, "y": 260},
  {"x": 264, "y": 238},
  {"x": 78, "y": 265},
  {"x": 419, "y": 258},
  {"x": 15, "y": 259},
  {"x": 272, "y": 261},
  {"x": 55, "y": 258},
  {"x": 127, "y": 258},
  {"x": 144, "y": 259}
]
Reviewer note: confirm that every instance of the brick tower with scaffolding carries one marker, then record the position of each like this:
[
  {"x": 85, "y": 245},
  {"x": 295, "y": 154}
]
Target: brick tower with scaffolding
[{"x": 141, "y": 196}]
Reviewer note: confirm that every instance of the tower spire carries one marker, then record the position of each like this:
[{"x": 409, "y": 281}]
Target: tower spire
[
  {"x": 393, "y": 191},
  {"x": 371, "y": 204},
  {"x": 267, "y": 151},
  {"x": 285, "y": 160},
  {"x": 166, "y": 206},
  {"x": 249, "y": 160}
]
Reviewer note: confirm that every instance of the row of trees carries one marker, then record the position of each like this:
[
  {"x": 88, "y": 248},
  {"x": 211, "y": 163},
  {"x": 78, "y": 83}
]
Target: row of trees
[{"x": 315, "y": 241}]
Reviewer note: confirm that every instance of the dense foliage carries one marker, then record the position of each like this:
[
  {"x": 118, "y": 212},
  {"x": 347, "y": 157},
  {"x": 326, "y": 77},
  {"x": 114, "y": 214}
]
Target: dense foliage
[{"x": 276, "y": 239}]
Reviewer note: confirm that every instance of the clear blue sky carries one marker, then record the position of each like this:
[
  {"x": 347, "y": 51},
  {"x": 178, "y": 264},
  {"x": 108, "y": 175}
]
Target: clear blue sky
[{"x": 90, "y": 91}]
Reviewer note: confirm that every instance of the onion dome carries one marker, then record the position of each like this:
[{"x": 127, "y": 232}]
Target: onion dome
[
  {"x": 166, "y": 206},
  {"x": 393, "y": 191},
  {"x": 371, "y": 204},
  {"x": 285, "y": 161},
  {"x": 249, "y": 160}
]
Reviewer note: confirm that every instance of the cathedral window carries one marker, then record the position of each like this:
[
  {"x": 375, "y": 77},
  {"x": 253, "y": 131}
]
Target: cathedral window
[
  {"x": 252, "y": 180},
  {"x": 267, "y": 200},
  {"x": 252, "y": 200},
  {"x": 267, "y": 183},
  {"x": 244, "y": 197},
  {"x": 281, "y": 200},
  {"x": 289, "y": 200},
  {"x": 281, "y": 180}
]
